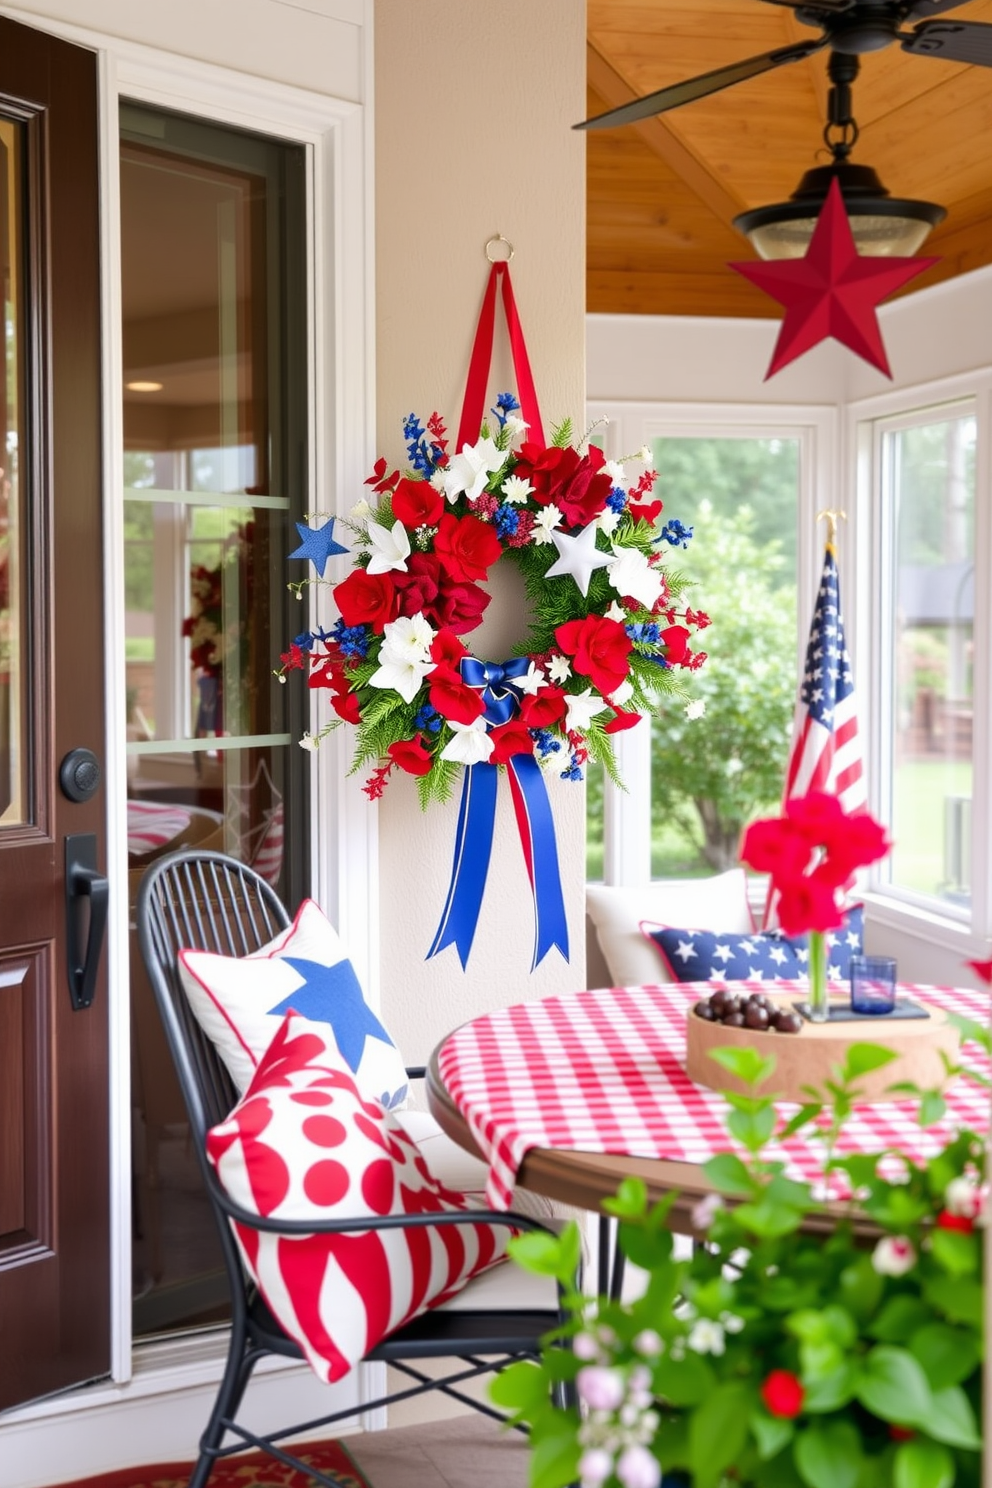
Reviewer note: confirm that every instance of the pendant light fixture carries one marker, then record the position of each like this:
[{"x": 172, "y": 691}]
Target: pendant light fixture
[{"x": 881, "y": 224}]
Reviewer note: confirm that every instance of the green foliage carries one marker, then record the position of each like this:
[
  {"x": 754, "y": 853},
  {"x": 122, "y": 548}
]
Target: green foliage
[
  {"x": 879, "y": 1344},
  {"x": 714, "y": 774}
]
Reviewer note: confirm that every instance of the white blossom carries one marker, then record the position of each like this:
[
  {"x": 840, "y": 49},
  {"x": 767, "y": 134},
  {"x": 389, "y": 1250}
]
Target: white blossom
[
  {"x": 894, "y": 1255},
  {"x": 645, "y": 454},
  {"x": 608, "y": 520},
  {"x": 471, "y": 745},
  {"x": 559, "y": 669},
  {"x": 361, "y": 511},
  {"x": 706, "y": 1337},
  {"x": 392, "y": 547},
  {"x": 649, "y": 1343},
  {"x": 580, "y": 709},
  {"x": 405, "y": 656},
  {"x": 600, "y": 1388},
  {"x": 470, "y": 471},
  {"x": 545, "y": 522},
  {"x": 437, "y": 478},
  {"x": 531, "y": 681},
  {"x": 631, "y": 573},
  {"x": 696, "y": 708},
  {"x": 638, "y": 1468},
  {"x": 595, "y": 1466},
  {"x": 308, "y": 742},
  {"x": 964, "y": 1197},
  {"x": 515, "y": 489},
  {"x": 616, "y": 612},
  {"x": 584, "y": 1346},
  {"x": 614, "y": 469},
  {"x": 515, "y": 426},
  {"x": 704, "y": 1213},
  {"x": 622, "y": 693}
]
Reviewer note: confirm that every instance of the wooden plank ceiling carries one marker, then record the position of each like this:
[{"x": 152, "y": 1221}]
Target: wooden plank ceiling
[{"x": 662, "y": 193}]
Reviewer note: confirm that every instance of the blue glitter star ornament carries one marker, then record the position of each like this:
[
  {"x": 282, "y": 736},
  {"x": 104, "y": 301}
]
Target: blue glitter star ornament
[
  {"x": 333, "y": 995},
  {"x": 318, "y": 544}
]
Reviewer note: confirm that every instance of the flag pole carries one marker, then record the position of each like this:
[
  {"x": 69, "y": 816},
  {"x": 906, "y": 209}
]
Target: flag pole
[{"x": 832, "y": 515}]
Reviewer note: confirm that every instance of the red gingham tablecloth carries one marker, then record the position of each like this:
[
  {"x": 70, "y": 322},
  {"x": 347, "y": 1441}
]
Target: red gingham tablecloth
[{"x": 602, "y": 1071}]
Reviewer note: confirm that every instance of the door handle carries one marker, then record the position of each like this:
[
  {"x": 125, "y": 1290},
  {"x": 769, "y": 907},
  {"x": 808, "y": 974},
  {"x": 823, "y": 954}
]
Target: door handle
[{"x": 84, "y": 931}]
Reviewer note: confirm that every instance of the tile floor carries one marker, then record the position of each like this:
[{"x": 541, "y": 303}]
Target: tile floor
[{"x": 462, "y": 1452}]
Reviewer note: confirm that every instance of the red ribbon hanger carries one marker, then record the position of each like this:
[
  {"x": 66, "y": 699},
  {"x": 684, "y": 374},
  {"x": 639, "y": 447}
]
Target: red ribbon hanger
[{"x": 474, "y": 405}]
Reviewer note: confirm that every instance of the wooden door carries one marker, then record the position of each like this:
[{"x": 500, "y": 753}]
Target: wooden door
[{"x": 54, "y": 1188}]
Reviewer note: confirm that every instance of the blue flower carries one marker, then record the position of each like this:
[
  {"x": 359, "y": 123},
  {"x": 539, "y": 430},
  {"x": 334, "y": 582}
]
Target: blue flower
[
  {"x": 422, "y": 453},
  {"x": 573, "y": 770},
  {"x": 506, "y": 520},
  {"x": 506, "y": 404},
  {"x": 617, "y": 499},
  {"x": 352, "y": 639},
  {"x": 673, "y": 532},
  {"x": 305, "y": 640},
  {"x": 428, "y": 718},
  {"x": 545, "y": 741},
  {"x": 646, "y": 631}
]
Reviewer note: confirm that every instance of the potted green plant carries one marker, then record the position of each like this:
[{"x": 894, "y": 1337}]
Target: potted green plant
[{"x": 818, "y": 1336}]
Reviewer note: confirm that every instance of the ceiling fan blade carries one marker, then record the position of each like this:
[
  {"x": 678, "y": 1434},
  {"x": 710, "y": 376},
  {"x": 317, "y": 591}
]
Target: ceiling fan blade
[
  {"x": 835, "y": 7},
  {"x": 953, "y": 41},
  {"x": 699, "y": 87},
  {"x": 921, "y": 10}
]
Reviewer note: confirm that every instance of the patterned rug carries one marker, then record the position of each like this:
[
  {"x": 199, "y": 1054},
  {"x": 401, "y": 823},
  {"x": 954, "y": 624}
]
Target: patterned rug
[{"x": 254, "y": 1470}]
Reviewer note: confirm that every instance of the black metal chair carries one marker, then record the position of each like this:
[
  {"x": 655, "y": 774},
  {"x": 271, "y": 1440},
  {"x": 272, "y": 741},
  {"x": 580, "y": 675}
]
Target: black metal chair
[{"x": 207, "y": 901}]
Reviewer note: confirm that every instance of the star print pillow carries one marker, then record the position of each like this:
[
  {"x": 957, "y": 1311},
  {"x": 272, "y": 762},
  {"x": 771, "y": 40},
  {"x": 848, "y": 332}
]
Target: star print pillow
[
  {"x": 768, "y": 956},
  {"x": 304, "y": 1144},
  {"x": 240, "y": 1002}
]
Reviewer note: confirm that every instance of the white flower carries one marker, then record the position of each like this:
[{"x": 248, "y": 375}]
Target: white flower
[
  {"x": 616, "y": 612},
  {"x": 545, "y": 522},
  {"x": 644, "y": 454},
  {"x": 706, "y": 1337},
  {"x": 470, "y": 470},
  {"x": 649, "y": 1343},
  {"x": 516, "y": 490},
  {"x": 309, "y": 742},
  {"x": 559, "y": 669},
  {"x": 599, "y": 1387},
  {"x": 631, "y": 573},
  {"x": 962, "y": 1196},
  {"x": 515, "y": 426},
  {"x": 894, "y": 1255},
  {"x": 731, "y": 1322},
  {"x": 360, "y": 511},
  {"x": 584, "y": 1346},
  {"x": 405, "y": 657},
  {"x": 392, "y": 547},
  {"x": 471, "y": 744},
  {"x": 437, "y": 479},
  {"x": 704, "y": 1213},
  {"x": 614, "y": 470},
  {"x": 595, "y": 1466},
  {"x": 608, "y": 520},
  {"x": 695, "y": 709},
  {"x": 531, "y": 681},
  {"x": 622, "y": 694},
  {"x": 638, "y": 1468},
  {"x": 580, "y": 708}
]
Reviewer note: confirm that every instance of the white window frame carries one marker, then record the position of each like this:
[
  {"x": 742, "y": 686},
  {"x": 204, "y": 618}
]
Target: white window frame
[
  {"x": 867, "y": 422},
  {"x": 629, "y": 426}
]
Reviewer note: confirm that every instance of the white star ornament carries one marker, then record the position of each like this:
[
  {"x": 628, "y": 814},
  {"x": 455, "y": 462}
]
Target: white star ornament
[{"x": 578, "y": 557}]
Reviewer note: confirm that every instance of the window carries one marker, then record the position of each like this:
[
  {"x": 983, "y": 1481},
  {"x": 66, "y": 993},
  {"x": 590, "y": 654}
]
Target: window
[
  {"x": 748, "y": 489},
  {"x": 924, "y": 467}
]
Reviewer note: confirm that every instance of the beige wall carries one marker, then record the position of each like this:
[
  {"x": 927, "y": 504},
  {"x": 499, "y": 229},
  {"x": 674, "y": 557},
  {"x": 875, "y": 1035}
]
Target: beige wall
[{"x": 473, "y": 108}]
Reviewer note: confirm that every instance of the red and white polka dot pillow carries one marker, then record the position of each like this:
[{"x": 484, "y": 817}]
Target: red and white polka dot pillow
[{"x": 302, "y": 1143}]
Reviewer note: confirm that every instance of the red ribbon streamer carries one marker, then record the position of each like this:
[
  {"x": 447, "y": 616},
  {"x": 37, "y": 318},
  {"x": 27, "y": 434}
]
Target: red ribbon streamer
[{"x": 474, "y": 406}]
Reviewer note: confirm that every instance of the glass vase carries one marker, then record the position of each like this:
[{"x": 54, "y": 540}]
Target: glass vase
[{"x": 817, "y": 999}]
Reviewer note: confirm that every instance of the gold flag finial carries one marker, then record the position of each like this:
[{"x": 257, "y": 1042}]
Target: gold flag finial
[{"x": 833, "y": 516}]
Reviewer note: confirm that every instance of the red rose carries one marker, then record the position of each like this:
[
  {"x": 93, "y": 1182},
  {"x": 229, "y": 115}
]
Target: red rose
[
  {"x": 509, "y": 739},
  {"x": 599, "y": 648},
  {"x": 807, "y": 904},
  {"x": 543, "y": 708},
  {"x": 366, "y": 599},
  {"x": 345, "y": 705},
  {"x": 818, "y": 816},
  {"x": 862, "y": 841},
  {"x": 411, "y": 756},
  {"x": 675, "y": 639},
  {"x": 466, "y": 547},
  {"x": 452, "y": 698},
  {"x": 417, "y": 504},
  {"x": 447, "y": 650},
  {"x": 419, "y": 586},
  {"x": 620, "y": 721},
  {"x": 458, "y": 608},
  {"x": 572, "y": 481},
  {"x": 783, "y": 1394},
  {"x": 948, "y": 1221}
]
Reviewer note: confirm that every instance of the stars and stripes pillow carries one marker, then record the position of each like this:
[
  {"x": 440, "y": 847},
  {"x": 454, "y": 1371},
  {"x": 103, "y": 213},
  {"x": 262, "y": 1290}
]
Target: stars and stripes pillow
[
  {"x": 240, "y": 1002},
  {"x": 304, "y": 1144},
  {"x": 768, "y": 956}
]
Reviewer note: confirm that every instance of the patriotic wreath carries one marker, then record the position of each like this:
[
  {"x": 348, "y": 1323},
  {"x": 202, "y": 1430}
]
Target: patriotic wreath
[{"x": 608, "y": 629}]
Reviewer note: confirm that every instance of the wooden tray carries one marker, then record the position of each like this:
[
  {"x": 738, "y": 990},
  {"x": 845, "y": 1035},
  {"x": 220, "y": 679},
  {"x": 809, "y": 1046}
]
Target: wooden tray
[{"x": 805, "y": 1058}]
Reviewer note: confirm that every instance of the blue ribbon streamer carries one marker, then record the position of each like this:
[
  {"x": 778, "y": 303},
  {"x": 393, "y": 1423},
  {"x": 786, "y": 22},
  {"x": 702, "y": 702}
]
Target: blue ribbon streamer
[
  {"x": 541, "y": 851},
  {"x": 473, "y": 849}
]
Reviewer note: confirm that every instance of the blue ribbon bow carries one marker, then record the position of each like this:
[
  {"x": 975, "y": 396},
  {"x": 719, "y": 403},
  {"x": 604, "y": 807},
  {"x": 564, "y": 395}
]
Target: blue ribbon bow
[{"x": 496, "y": 680}]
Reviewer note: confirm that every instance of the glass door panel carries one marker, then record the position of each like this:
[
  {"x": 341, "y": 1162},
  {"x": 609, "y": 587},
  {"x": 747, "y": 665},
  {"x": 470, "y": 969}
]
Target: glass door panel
[
  {"x": 214, "y": 337},
  {"x": 12, "y": 442}
]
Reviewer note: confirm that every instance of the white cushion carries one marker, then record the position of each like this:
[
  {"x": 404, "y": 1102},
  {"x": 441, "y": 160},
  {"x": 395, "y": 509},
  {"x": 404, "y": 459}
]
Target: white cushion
[
  {"x": 303, "y": 1144},
  {"x": 717, "y": 903},
  {"x": 240, "y": 1002}
]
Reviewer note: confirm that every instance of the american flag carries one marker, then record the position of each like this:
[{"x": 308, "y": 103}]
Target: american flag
[{"x": 826, "y": 750}]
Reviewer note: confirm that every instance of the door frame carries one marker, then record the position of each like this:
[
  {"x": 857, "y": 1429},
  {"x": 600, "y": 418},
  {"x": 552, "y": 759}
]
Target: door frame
[{"x": 337, "y": 134}]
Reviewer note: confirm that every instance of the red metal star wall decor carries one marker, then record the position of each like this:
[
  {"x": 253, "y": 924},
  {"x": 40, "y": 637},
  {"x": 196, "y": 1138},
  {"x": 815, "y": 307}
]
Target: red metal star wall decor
[{"x": 832, "y": 291}]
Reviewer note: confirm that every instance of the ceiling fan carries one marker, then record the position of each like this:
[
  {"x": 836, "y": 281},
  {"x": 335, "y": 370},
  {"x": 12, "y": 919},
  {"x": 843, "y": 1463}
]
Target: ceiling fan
[{"x": 848, "y": 27}]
